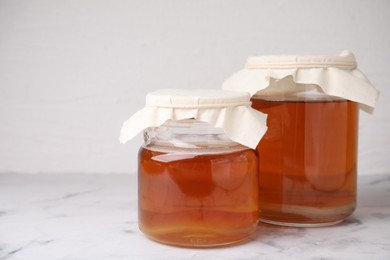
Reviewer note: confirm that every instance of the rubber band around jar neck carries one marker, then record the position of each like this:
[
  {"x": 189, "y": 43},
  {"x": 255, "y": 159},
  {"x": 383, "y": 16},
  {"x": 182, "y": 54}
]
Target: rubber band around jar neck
[
  {"x": 203, "y": 106},
  {"x": 346, "y": 60}
]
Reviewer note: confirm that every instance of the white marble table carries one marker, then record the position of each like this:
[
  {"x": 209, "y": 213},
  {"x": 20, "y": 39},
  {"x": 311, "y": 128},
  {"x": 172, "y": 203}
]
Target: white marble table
[{"x": 68, "y": 217}]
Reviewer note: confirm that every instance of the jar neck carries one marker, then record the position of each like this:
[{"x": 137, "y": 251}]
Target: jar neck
[
  {"x": 189, "y": 135},
  {"x": 287, "y": 90}
]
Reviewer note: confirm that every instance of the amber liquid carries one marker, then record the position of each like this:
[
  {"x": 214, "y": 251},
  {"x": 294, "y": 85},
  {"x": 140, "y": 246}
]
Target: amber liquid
[
  {"x": 198, "y": 200},
  {"x": 308, "y": 162}
]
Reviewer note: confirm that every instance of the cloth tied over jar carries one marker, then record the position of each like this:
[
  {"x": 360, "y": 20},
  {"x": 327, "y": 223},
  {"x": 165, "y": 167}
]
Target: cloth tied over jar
[
  {"x": 229, "y": 110},
  {"x": 336, "y": 76}
]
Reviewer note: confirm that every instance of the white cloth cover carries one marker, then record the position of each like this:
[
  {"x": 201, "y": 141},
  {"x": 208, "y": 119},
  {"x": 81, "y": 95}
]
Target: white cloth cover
[
  {"x": 335, "y": 75},
  {"x": 229, "y": 110}
]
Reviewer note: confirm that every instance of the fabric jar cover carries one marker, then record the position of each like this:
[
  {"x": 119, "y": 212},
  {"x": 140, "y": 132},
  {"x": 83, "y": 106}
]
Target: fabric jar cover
[
  {"x": 229, "y": 110},
  {"x": 335, "y": 75}
]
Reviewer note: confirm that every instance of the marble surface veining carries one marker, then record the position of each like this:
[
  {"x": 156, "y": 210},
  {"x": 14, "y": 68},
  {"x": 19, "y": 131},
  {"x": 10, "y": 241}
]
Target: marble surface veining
[{"x": 71, "y": 217}]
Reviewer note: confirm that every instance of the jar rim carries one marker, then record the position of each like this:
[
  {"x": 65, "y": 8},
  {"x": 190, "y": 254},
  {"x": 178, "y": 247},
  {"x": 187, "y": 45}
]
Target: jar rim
[
  {"x": 196, "y": 98},
  {"x": 346, "y": 60}
]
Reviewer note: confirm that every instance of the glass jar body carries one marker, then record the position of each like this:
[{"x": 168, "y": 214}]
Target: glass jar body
[
  {"x": 308, "y": 158},
  {"x": 196, "y": 187}
]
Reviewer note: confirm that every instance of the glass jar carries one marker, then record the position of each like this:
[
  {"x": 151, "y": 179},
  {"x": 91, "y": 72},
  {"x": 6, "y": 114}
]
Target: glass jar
[
  {"x": 308, "y": 165},
  {"x": 197, "y": 170},
  {"x": 196, "y": 187},
  {"x": 308, "y": 156}
]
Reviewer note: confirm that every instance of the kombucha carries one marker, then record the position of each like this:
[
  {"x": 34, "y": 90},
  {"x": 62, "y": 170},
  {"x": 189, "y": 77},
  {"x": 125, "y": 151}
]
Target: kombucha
[
  {"x": 198, "y": 200},
  {"x": 308, "y": 161}
]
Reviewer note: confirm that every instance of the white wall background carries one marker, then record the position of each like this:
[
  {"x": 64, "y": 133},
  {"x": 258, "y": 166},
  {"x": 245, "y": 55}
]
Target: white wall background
[{"x": 72, "y": 71}]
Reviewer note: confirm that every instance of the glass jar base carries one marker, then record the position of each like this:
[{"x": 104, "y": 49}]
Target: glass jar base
[
  {"x": 198, "y": 241},
  {"x": 304, "y": 216},
  {"x": 304, "y": 225}
]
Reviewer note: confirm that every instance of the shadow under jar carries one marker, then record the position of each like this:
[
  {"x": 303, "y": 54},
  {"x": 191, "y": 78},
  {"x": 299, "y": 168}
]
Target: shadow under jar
[
  {"x": 308, "y": 158},
  {"x": 197, "y": 188}
]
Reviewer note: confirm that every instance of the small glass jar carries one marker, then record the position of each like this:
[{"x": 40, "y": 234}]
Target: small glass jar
[
  {"x": 198, "y": 169},
  {"x": 308, "y": 156},
  {"x": 196, "y": 187}
]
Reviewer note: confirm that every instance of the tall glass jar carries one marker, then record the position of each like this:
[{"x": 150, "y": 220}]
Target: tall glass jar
[
  {"x": 197, "y": 169},
  {"x": 308, "y": 156},
  {"x": 196, "y": 187},
  {"x": 308, "y": 165}
]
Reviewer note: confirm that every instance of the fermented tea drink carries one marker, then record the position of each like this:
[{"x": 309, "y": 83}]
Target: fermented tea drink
[
  {"x": 308, "y": 156},
  {"x": 196, "y": 186}
]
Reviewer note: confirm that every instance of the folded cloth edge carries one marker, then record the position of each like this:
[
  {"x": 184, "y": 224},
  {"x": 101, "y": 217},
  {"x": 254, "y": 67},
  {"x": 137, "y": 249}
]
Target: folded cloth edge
[
  {"x": 228, "y": 118},
  {"x": 348, "y": 84}
]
